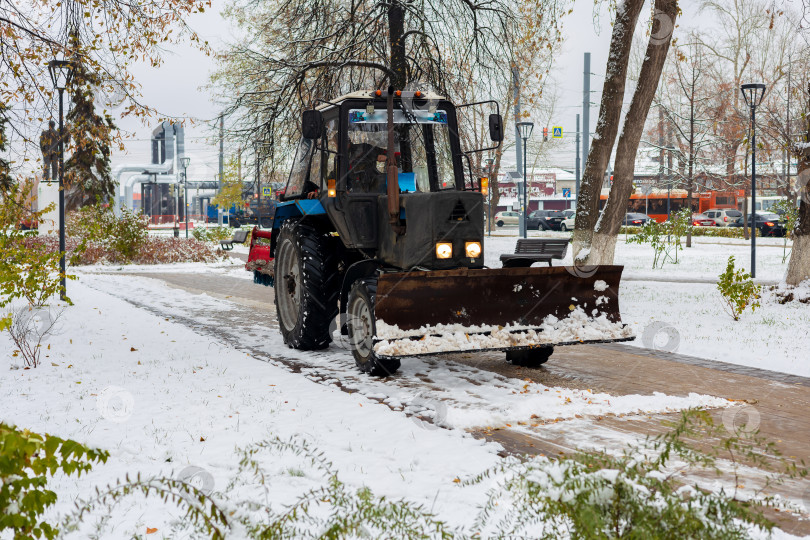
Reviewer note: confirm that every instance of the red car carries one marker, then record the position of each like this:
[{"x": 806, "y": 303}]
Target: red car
[{"x": 702, "y": 220}]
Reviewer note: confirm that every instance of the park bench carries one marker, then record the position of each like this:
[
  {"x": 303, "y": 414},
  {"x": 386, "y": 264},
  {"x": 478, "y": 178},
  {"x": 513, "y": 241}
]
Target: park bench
[
  {"x": 239, "y": 237},
  {"x": 531, "y": 250}
]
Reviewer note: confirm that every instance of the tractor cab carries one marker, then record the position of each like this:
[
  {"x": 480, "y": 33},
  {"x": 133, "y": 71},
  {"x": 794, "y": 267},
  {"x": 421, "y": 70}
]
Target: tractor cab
[{"x": 353, "y": 161}]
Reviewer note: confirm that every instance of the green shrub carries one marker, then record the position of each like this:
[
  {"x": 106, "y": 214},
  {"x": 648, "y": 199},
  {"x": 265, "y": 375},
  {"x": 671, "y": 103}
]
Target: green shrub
[
  {"x": 665, "y": 238},
  {"x": 125, "y": 234},
  {"x": 717, "y": 232},
  {"x": 26, "y": 461},
  {"x": 738, "y": 290},
  {"x": 789, "y": 210},
  {"x": 26, "y": 271}
]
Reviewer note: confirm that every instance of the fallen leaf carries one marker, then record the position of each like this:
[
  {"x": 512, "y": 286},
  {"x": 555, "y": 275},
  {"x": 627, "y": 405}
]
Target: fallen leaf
[
  {"x": 132, "y": 349},
  {"x": 54, "y": 364},
  {"x": 202, "y": 439},
  {"x": 151, "y": 530}
]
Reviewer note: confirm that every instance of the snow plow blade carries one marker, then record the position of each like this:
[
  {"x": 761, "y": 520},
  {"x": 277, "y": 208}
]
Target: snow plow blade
[{"x": 464, "y": 310}]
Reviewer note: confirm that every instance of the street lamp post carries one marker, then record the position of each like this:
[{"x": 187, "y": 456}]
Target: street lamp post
[
  {"x": 490, "y": 166},
  {"x": 525, "y": 129},
  {"x": 753, "y": 94},
  {"x": 61, "y": 75},
  {"x": 185, "y": 161}
]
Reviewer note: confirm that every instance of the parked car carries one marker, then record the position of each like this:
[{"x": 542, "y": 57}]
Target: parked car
[
  {"x": 507, "y": 217},
  {"x": 724, "y": 217},
  {"x": 568, "y": 213},
  {"x": 568, "y": 223},
  {"x": 702, "y": 220},
  {"x": 545, "y": 220},
  {"x": 769, "y": 224},
  {"x": 635, "y": 220}
]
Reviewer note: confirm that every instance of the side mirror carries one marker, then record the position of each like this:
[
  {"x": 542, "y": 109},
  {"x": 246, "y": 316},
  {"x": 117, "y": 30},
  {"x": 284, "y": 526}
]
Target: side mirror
[
  {"x": 312, "y": 124},
  {"x": 496, "y": 127}
]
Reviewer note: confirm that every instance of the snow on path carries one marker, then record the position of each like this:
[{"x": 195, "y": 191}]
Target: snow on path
[
  {"x": 161, "y": 398},
  {"x": 456, "y": 395}
]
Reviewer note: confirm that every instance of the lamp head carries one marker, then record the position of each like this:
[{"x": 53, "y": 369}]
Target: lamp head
[
  {"x": 753, "y": 93},
  {"x": 61, "y": 73},
  {"x": 525, "y": 129}
]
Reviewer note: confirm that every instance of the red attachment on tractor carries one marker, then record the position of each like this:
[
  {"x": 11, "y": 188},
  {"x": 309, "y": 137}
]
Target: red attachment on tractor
[{"x": 259, "y": 259}]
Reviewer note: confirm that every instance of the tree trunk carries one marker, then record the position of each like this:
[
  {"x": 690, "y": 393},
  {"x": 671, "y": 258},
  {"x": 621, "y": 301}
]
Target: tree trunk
[
  {"x": 396, "y": 38},
  {"x": 610, "y": 111},
  {"x": 607, "y": 229},
  {"x": 799, "y": 265}
]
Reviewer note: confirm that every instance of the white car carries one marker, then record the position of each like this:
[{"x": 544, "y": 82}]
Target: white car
[
  {"x": 723, "y": 217},
  {"x": 568, "y": 223},
  {"x": 507, "y": 217}
]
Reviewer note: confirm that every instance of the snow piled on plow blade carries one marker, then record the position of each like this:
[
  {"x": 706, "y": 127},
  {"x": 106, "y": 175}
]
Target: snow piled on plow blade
[
  {"x": 421, "y": 313},
  {"x": 578, "y": 327}
]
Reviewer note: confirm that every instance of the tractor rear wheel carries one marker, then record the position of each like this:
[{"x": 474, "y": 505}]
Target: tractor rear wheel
[
  {"x": 530, "y": 358},
  {"x": 362, "y": 328},
  {"x": 307, "y": 286}
]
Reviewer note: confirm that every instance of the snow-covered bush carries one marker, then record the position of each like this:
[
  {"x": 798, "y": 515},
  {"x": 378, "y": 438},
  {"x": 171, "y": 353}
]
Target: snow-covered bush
[
  {"x": 213, "y": 234},
  {"x": 26, "y": 461},
  {"x": 640, "y": 494},
  {"x": 738, "y": 290},
  {"x": 330, "y": 510}
]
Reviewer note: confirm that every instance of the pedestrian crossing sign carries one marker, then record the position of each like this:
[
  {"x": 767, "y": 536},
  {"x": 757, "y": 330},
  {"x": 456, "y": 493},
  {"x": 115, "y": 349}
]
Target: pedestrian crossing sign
[
  {"x": 557, "y": 132},
  {"x": 267, "y": 191}
]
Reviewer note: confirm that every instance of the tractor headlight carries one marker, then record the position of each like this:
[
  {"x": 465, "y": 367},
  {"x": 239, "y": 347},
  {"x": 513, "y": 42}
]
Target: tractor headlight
[
  {"x": 473, "y": 249},
  {"x": 444, "y": 250}
]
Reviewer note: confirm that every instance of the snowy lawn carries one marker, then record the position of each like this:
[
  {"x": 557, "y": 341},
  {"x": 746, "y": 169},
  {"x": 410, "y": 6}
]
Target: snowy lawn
[
  {"x": 680, "y": 308},
  {"x": 166, "y": 400}
]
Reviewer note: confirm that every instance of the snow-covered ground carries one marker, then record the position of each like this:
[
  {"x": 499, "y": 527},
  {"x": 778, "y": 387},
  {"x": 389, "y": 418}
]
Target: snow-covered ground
[
  {"x": 678, "y": 308},
  {"x": 164, "y": 389},
  {"x": 163, "y": 398}
]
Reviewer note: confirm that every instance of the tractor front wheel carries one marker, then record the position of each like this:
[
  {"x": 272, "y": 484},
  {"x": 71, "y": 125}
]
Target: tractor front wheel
[
  {"x": 362, "y": 329},
  {"x": 307, "y": 286}
]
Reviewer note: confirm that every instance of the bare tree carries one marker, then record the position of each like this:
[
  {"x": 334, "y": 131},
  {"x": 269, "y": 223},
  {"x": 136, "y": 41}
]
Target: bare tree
[
  {"x": 799, "y": 265},
  {"x": 297, "y": 51},
  {"x": 607, "y": 228},
  {"x": 682, "y": 102},
  {"x": 607, "y": 127}
]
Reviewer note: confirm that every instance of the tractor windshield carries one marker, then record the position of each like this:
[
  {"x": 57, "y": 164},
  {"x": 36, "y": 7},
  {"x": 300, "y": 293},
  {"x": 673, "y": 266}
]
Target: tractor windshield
[{"x": 421, "y": 146}]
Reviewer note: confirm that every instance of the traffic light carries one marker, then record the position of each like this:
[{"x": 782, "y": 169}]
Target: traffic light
[
  {"x": 484, "y": 186},
  {"x": 545, "y": 134}
]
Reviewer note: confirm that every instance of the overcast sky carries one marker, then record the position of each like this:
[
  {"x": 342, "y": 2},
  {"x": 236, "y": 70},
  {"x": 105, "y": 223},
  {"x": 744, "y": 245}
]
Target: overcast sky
[{"x": 176, "y": 89}]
